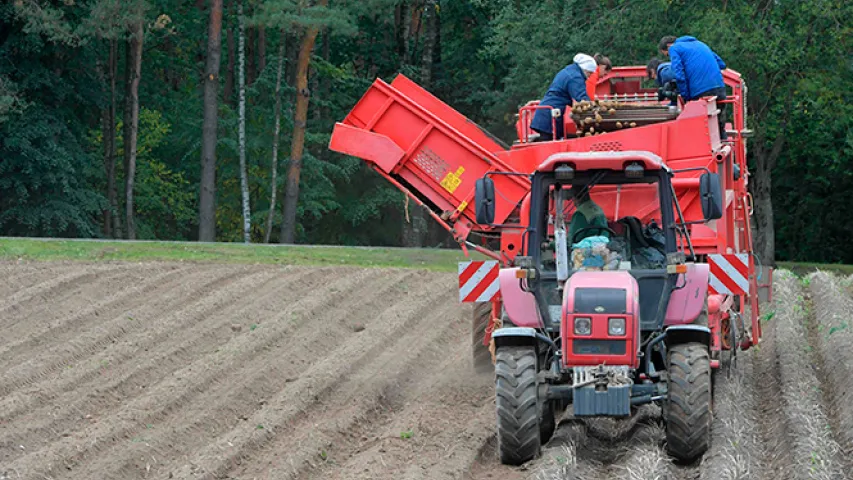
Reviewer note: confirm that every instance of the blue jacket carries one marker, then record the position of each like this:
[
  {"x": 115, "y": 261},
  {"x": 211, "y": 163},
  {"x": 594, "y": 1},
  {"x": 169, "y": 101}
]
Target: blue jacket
[
  {"x": 569, "y": 84},
  {"x": 696, "y": 67},
  {"x": 664, "y": 74}
]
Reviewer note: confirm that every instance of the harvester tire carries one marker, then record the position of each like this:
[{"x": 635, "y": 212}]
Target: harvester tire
[
  {"x": 688, "y": 406},
  {"x": 480, "y": 354},
  {"x": 519, "y": 409}
]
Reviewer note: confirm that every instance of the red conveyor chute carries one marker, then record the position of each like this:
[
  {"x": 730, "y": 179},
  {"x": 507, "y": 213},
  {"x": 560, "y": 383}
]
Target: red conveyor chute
[{"x": 409, "y": 135}]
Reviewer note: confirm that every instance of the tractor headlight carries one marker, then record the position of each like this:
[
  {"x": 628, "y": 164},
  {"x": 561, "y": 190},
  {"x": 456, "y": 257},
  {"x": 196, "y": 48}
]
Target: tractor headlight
[
  {"x": 616, "y": 326},
  {"x": 583, "y": 326}
]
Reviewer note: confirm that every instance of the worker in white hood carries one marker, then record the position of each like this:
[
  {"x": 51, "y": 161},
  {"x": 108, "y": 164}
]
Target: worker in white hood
[{"x": 568, "y": 85}]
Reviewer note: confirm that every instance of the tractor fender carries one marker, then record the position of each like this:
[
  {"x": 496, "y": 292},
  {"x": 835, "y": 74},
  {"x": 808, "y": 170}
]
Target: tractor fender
[
  {"x": 680, "y": 334},
  {"x": 686, "y": 303},
  {"x": 518, "y": 336}
]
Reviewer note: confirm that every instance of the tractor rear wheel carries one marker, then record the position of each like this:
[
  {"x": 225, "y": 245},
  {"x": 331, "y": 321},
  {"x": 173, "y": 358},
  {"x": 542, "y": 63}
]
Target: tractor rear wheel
[
  {"x": 688, "y": 406},
  {"x": 519, "y": 409},
  {"x": 480, "y": 354}
]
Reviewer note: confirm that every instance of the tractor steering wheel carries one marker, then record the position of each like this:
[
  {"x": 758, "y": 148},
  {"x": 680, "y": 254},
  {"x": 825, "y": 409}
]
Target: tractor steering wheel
[{"x": 582, "y": 230}]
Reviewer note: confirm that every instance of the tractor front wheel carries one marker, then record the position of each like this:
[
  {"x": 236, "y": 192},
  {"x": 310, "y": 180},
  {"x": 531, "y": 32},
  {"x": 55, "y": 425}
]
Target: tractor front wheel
[
  {"x": 518, "y": 406},
  {"x": 688, "y": 406}
]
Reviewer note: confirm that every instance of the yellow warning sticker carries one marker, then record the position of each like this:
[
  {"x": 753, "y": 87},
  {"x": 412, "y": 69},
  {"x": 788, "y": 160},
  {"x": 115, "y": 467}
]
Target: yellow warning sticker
[{"x": 452, "y": 180}]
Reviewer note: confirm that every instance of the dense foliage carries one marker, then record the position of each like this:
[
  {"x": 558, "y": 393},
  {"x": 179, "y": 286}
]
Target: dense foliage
[{"x": 484, "y": 57}]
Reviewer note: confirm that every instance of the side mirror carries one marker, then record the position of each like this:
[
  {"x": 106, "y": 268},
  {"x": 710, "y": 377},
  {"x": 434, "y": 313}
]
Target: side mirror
[
  {"x": 484, "y": 201},
  {"x": 711, "y": 195}
]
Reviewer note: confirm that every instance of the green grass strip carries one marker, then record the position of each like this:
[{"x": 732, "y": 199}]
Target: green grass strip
[{"x": 441, "y": 260}]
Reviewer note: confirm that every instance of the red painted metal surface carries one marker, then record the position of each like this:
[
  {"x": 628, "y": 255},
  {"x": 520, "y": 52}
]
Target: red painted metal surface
[
  {"x": 686, "y": 303},
  {"x": 443, "y": 155},
  {"x": 520, "y": 305}
]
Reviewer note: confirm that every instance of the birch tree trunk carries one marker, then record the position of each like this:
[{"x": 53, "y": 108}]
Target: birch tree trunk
[
  {"x": 275, "y": 137},
  {"x": 131, "y": 120},
  {"x": 303, "y": 94},
  {"x": 244, "y": 181},
  {"x": 207, "y": 197}
]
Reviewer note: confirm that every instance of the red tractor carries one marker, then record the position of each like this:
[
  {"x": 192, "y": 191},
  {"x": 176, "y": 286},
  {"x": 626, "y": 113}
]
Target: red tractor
[{"x": 622, "y": 264}]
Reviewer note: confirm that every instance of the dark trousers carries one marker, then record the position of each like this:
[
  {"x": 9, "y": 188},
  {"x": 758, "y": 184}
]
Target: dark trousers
[
  {"x": 720, "y": 93},
  {"x": 543, "y": 136}
]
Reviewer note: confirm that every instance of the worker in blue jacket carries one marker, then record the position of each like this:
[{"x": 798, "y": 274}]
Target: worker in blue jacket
[
  {"x": 697, "y": 71},
  {"x": 569, "y": 85},
  {"x": 661, "y": 72}
]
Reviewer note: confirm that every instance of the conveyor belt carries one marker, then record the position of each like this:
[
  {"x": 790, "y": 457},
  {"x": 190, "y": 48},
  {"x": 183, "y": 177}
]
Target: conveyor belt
[{"x": 601, "y": 116}]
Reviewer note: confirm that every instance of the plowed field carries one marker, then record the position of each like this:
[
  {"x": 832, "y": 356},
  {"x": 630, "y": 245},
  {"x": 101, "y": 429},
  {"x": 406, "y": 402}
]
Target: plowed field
[{"x": 172, "y": 370}]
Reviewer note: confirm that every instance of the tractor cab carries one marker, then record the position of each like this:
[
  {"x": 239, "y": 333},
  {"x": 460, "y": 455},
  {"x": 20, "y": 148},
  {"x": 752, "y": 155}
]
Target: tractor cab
[{"x": 607, "y": 270}]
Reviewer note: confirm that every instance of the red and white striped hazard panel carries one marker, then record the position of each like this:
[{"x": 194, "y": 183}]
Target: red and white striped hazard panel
[
  {"x": 478, "y": 281},
  {"x": 729, "y": 274}
]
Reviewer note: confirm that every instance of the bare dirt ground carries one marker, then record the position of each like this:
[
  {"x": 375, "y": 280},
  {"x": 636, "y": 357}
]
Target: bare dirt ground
[{"x": 172, "y": 370}]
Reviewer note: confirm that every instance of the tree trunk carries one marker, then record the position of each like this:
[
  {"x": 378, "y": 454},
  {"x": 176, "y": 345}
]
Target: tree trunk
[
  {"x": 765, "y": 233},
  {"x": 429, "y": 43},
  {"x": 291, "y": 188},
  {"x": 325, "y": 84},
  {"x": 407, "y": 31},
  {"x": 131, "y": 121},
  {"x": 207, "y": 197},
  {"x": 112, "y": 219},
  {"x": 275, "y": 137},
  {"x": 249, "y": 52},
  {"x": 315, "y": 82},
  {"x": 262, "y": 49},
  {"x": 228, "y": 94},
  {"x": 241, "y": 76},
  {"x": 107, "y": 227}
]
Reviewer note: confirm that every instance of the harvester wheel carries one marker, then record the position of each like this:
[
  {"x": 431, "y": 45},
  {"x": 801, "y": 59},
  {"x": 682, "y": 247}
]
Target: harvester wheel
[
  {"x": 480, "y": 354},
  {"x": 519, "y": 409},
  {"x": 688, "y": 406}
]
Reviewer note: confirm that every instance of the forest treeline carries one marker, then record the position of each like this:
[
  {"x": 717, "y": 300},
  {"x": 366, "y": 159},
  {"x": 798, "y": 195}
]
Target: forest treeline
[{"x": 210, "y": 119}]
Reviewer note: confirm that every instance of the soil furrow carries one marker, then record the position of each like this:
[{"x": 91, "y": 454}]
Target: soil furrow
[
  {"x": 383, "y": 384},
  {"x": 287, "y": 410},
  {"x": 72, "y": 346},
  {"x": 830, "y": 337},
  {"x": 795, "y": 424},
  {"x": 102, "y": 389},
  {"x": 246, "y": 391},
  {"x": 18, "y": 276},
  {"x": 737, "y": 451},
  {"x": 162, "y": 403},
  {"x": 98, "y": 299},
  {"x": 444, "y": 413},
  {"x": 37, "y": 298}
]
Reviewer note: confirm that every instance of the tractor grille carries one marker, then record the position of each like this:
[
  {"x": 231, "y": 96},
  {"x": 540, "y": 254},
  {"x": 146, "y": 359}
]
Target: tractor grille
[
  {"x": 618, "y": 375},
  {"x": 598, "y": 347}
]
